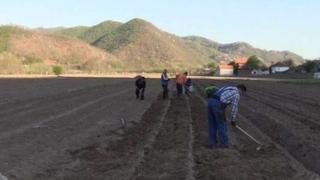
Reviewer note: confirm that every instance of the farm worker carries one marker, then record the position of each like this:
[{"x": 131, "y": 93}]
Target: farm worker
[
  {"x": 140, "y": 86},
  {"x": 164, "y": 83},
  {"x": 218, "y": 100},
  {"x": 180, "y": 82},
  {"x": 188, "y": 86}
]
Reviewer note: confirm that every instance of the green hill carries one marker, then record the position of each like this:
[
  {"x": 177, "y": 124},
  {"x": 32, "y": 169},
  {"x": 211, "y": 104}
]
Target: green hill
[
  {"x": 87, "y": 34},
  {"x": 96, "y": 32},
  {"x": 74, "y": 32},
  {"x": 205, "y": 47},
  {"x": 136, "y": 45},
  {"x": 122, "y": 35},
  {"x": 141, "y": 45}
]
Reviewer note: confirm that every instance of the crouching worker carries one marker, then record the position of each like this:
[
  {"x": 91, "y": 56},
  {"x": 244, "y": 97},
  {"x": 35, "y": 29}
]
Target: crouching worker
[
  {"x": 140, "y": 87},
  {"x": 218, "y": 100}
]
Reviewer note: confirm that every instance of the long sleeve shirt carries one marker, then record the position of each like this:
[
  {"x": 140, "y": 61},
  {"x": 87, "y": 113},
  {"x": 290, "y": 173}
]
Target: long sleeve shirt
[
  {"x": 164, "y": 79},
  {"x": 181, "y": 79},
  {"x": 231, "y": 96}
]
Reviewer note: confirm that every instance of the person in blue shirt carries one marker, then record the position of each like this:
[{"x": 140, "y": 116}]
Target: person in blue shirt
[
  {"x": 218, "y": 100},
  {"x": 164, "y": 83}
]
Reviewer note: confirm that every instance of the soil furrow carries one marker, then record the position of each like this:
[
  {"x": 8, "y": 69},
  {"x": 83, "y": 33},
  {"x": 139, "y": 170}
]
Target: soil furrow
[
  {"x": 169, "y": 158},
  {"x": 23, "y": 128},
  {"x": 291, "y": 108},
  {"x": 272, "y": 163},
  {"x": 293, "y": 139},
  {"x": 51, "y": 103},
  {"x": 120, "y": 158}
]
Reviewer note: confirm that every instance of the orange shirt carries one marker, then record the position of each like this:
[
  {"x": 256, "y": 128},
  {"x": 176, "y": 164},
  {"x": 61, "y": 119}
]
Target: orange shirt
[{"x": 181, "y": 79}]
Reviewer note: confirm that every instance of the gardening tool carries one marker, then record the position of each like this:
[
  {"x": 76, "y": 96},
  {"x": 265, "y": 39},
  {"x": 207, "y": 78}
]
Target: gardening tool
[{"x": 251, "y": 137}]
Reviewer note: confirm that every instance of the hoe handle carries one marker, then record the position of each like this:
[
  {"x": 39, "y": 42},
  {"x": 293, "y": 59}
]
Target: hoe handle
[{"x": 246, "y": 133}]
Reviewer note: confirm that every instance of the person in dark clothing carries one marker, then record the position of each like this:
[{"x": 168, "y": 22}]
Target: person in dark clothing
[
  {"x": 188, "y": 87},
  {"x": 164, "y": 83},
  {"x": 140, "y": 87}
]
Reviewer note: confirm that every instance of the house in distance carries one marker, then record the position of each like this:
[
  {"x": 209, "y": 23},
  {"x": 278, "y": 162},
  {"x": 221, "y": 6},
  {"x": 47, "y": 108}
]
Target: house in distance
[
  {"x": 224, "y": 70},
  {"x": 227, "y": 69},
  {"x": 279, "y": 67}
]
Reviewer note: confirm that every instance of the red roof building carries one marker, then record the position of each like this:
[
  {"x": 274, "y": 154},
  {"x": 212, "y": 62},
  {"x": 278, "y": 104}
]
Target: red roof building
[
  {"x": 241, "y": 61},
  {"x": 224, "y": 70}
]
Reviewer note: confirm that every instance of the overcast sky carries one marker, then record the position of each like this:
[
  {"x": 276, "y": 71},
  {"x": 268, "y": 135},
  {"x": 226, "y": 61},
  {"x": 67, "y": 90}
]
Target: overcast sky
[{"x": 268, "y": 24}]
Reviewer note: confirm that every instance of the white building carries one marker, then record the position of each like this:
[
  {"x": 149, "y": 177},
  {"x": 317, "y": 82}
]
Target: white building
[
  {"x": 279, "y": 68},
  {"x": 224, "y": 70},
  {"x": 316, "y": 75}
]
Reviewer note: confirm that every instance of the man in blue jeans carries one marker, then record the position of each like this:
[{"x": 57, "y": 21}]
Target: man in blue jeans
[
  {"x": 218, "y": 100},
  {"x": 164, "y": 83}
]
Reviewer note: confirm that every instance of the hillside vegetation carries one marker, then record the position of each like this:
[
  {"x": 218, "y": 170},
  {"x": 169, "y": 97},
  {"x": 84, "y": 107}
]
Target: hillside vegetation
[
  {"x": 25, "y": 51},
  {"x": 94, "y": 33},
  {"x": 143, "y": 46},
  {"x": 75, "y": 32},
  {"x": 136, "y": 45},
  {"x": 245, "y": 49}
]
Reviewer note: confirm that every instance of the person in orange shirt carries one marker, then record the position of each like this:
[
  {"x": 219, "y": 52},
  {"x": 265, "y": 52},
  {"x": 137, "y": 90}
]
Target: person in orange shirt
[{"x": 181, "y": 81}]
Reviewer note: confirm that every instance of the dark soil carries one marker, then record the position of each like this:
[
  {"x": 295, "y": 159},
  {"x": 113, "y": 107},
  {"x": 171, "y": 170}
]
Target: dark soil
[{"x": 98, "y": 130}]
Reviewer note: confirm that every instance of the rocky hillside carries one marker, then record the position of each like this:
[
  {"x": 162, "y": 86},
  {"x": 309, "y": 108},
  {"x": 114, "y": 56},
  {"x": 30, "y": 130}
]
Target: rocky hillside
[
  {"x": 226, "y": 52},
  {"x": 136, "y": 45},
  {"x": 245, "y": 49},
  {"x": 27, "y": 51}
]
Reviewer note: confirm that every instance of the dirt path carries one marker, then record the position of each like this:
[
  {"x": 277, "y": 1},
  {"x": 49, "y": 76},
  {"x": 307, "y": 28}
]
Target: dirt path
[{"x": 171, "y": 156}]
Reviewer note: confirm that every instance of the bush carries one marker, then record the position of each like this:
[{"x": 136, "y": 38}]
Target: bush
[
  {"x": 10, "y": 63},
  {"x": 290, "y": 63},
  {"x": 57, "y": 70},
  {"x": 28, "y": 60},
  {"x": 310, "y": 66},
  {"x": 212, "y": 66},
  {"x": 37, "y": 68},
  {"x": 254, "y": 63}
]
